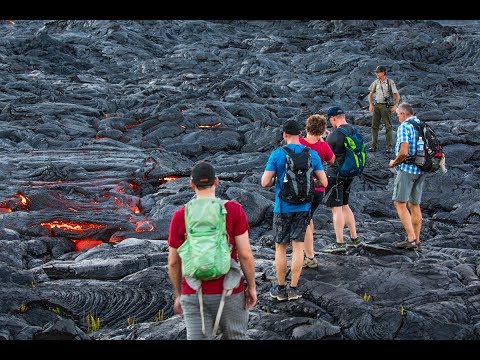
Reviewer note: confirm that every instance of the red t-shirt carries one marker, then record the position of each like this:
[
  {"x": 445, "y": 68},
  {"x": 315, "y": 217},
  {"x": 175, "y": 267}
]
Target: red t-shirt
[
  {"x": 237, "y": 224},
  {"x": 323, "y": 150}
]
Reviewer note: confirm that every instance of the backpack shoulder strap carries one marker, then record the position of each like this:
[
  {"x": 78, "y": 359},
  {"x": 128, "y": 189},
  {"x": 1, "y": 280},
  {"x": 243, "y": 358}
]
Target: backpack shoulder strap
[
  {"x": 287, "y": 149},
  {"x": 343, "y": 131}
]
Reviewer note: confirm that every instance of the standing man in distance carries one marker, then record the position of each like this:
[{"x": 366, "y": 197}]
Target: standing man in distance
[{"x": 386, "y": 102}]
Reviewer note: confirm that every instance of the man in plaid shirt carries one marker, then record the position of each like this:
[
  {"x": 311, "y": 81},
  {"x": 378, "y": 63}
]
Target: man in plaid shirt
[{"x": 409, "y": 179}]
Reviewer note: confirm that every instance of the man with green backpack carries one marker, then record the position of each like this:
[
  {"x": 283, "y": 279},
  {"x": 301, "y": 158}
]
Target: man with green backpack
[{"x": 209, "y": 248}]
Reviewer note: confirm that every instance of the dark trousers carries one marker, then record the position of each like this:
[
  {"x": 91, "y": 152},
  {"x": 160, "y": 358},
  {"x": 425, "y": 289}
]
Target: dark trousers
[{"x": 382, "y": 111}]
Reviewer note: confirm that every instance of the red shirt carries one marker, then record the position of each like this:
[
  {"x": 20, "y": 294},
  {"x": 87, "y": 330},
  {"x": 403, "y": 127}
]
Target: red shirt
[
  {"x": 323, "y": 150},
  {"x": 237, "y": 224}
]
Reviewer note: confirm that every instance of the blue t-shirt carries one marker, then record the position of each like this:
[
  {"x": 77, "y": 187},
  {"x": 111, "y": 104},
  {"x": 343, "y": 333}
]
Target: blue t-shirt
[{"x": 276, "y": 162}]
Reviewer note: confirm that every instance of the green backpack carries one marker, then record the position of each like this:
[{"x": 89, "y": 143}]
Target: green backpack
[{"x": 206, "y": 251}]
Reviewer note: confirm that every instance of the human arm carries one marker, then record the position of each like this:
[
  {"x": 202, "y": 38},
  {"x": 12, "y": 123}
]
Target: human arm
[
  {"x": 268, "y": 178},
  {"x": 395, "y": 102},
  {"x": 247, "y": 263},
  {"x": 175, "y": 275},
  {"x": 401, "y": 156},
  {"x": 321, "y": 177},
  {"x": 370, "y": 101}
]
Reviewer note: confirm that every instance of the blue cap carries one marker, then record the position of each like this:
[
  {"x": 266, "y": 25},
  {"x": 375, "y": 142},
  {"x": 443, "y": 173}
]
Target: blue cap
[{"x": 334, "y": 111}]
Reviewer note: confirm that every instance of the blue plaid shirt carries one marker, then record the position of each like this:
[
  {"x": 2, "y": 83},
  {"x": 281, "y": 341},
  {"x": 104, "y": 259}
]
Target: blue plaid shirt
[{"x": 406, "y": 133}]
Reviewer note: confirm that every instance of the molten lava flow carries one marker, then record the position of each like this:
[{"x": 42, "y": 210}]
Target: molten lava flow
[
  {"x": 77, "y": 227},
  {"x": 209, "y": 126},
  {"x": 134, "y": 186},
  {"x": 144, "y": 225},
  {"x": 169, "y": 178},
  {"x": 86, "y": 244}
]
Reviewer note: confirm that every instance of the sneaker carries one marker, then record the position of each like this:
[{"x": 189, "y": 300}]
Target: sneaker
[
  {"x": 293, "y": 294},
  {"x": 419, "y": 247},
  {"x": 355, "y": 242},
  {"x": 311, "y": 263},
  {"x": 372, "y": 149},
  {"x": 388, "y": 150},
  {"x": 405, "y": 244},
  {"x": 278, "y": 294},
  {"x": 336, "y": 248}
]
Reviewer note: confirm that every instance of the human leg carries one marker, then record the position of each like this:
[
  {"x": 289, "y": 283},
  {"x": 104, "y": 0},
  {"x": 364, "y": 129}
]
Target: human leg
[
  {"x": 234, "y": 319},
  {"x": 193, "y": 320},
  {"x": 338, "y": 223},
  {"x": 416, "y": 215},
  {"x": 406, "y": 219},
  {"x": 297, "y": 262},
  {"x": 387, "y": 120},
  {"x": 349, "y": 221},
  {"x": 376, "y": 117},
  {"x": 308, "y": 241},
  {"x": 281, "y": 262}
]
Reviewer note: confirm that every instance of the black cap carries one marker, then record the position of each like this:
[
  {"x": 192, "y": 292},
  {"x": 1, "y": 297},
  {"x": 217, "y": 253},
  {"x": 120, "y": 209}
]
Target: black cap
[
  {"x": 292, "y": 127},
  {"x": 381, "y": 68},
  {"x": 203, "y": 174},
  {"x": 334, "y": 111}
]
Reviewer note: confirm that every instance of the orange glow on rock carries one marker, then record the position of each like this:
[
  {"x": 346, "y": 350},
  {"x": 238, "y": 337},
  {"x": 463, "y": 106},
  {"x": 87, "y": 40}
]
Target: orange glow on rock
[
  {"x": 77, "y": 227},
  {"x": 209, "y": 126},
  {"x": 144, "y": 225},
  {"x": 86, "y": 244}
]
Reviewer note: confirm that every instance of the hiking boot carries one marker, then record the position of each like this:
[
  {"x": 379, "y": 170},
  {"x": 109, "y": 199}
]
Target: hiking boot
[
  {"x": 311, "y": 263},
  {"x": 293, "y": 294},
  {"x": 419, "y": 247},
  {"x": 372, "y": 149},
  {"x": 388, "y": 150},
  {"x": 405, "y": 244},
  {"x": 336, "y": 248},
  {"x": 279, "y": 294},
  {"x": 355, "y": 242}
]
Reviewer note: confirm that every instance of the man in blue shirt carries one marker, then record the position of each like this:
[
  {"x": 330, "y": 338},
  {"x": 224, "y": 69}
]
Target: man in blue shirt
[
  {"x": 290, "y": 221},
  {"x": 408, "y": 185}
]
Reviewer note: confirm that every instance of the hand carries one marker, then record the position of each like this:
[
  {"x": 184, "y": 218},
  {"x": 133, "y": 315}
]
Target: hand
[
  {"x": 177, "y": 308},
  {"x": 250, "y": 297},
  {"x": 370, "y": 107},
  {"x": 390, "y": 164}
]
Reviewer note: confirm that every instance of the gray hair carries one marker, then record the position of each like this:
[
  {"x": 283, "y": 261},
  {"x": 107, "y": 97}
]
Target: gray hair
[{"x": 405, "y": 108}]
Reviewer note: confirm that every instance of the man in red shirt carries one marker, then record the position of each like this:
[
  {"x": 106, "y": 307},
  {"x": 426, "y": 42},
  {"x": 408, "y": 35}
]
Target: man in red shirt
[{"x": 234, "y": 318}]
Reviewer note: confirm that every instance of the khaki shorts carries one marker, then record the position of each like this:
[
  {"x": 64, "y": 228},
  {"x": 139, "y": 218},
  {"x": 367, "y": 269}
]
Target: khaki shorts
[{"x": 408, "y": 187}]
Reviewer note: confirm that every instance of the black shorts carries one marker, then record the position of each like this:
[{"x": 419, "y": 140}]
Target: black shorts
[
  {"x": 338, "y": 191},
  {"x": 288, "y": 227},
  {"x": 317, "y": 199}
]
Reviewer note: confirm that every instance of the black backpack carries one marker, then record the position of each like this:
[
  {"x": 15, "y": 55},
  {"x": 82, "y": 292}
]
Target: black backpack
[
  {"x": 433, "y": 149},
  {"x": 298, "y": 184}
]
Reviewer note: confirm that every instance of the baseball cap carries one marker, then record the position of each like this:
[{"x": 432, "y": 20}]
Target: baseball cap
[
  {"x": 203, "y": 174},
  {"x": 334, "y": 111},
  {"x": 381, "y": 68},
  {"x": 292, "y": 127}
]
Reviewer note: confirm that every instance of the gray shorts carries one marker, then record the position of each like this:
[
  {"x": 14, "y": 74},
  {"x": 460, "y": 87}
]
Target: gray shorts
[
  {"x": 288, "y": 227},
  {"x": 408, "y": 187},
  {"x": 233, "y": 322}
]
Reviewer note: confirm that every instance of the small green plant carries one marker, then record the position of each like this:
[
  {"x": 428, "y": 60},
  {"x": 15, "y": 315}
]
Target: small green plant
[
  {"x": 160, "y": 315},
  {"x": 366, "y": 297},
  {"x": 23, "y": 308},
  {"x": 403, "y": 312},
  {"x": 55, "y": 309},
  {"x": 131, "y": 320},
  {"x": 93, "y": 323}
]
